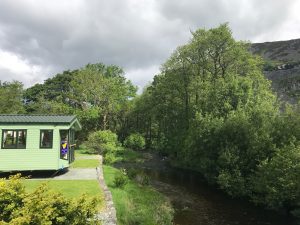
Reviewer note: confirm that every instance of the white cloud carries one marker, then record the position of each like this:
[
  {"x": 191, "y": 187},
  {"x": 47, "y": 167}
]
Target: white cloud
[
  {"x": 14, "y": 68},
  {"x": 41, "y": 38}
]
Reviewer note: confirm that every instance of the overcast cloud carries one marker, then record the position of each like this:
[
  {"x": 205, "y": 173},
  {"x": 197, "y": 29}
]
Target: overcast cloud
[{"x": 41, "y": 38}]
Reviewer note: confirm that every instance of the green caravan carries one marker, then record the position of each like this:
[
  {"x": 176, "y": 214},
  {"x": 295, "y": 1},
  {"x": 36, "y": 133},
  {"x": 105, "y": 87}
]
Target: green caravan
[{"x": 37, "y": 142}]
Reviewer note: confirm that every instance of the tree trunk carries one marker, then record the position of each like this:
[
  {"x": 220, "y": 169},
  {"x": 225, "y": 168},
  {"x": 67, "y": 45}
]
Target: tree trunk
[{"x": 105, "y": 121}]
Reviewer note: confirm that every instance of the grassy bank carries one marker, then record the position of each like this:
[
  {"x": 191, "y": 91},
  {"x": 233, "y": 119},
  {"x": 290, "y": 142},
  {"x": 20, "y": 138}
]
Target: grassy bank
[{"x": 136, "y": 204}]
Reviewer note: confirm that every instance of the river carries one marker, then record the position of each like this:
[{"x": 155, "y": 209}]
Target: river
[{"x": 197, "y": 203}]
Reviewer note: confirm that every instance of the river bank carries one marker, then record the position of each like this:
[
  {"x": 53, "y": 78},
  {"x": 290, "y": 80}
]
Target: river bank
[
  {"x": 194, "y": 201},
  {"x": 136, "y": 202}
]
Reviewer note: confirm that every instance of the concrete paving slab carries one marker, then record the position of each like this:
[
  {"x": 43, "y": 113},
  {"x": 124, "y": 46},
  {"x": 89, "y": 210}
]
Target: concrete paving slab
[{"x": 77, "y": 174}]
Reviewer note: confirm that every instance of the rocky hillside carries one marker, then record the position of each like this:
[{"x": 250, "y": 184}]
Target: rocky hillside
[{"x": 282, "y": 66}]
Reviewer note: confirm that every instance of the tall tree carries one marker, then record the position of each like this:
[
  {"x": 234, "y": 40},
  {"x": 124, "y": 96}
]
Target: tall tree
[
  {"x": 11, "y": 99},
  {"x": 104, "y": 88},
  {"x": 211, "y": 109},
  {"x": 55, "y": 88}
]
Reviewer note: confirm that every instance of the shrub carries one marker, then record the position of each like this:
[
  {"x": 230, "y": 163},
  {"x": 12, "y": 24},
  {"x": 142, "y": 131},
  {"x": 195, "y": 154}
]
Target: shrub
[
  {"x": 120, "y": 179},
  {"x": 135, "y": 141},
  {"x": 109, "y": 158},
  {"x": 42, "y": 206},
  {"x": 102, "y": 142},
  {"x": 276, "y": 182}
]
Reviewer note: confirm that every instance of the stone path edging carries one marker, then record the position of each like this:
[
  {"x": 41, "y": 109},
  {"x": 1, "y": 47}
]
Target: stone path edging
[{"x": 108, "y": 217}]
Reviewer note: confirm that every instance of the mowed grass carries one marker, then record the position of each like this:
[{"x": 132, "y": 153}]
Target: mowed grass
[
  {"x": 85, "y": 163},
  {"x": 69, "y": 188},
  {"x": 82, "y": 151},
  {"x": 138, "y": 204}
]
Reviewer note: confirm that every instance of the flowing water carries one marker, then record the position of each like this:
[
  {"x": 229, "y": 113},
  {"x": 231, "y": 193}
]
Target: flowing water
[{"x": 196, "y": 203}]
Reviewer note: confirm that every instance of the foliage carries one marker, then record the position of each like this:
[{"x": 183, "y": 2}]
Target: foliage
[
  {"x": 212, "y": 110},
  {"x": 98, "y": 94},
  {"x": 102, "y": 87},
  {"x": 132, "y": 173},
  {"x": 53, "y": 89},
  {"x": 44, "y": 106},
  {"x": 138, "y": 204},
  {"x": 110, "y": 158},
  {"x": 120, "y": 179},
  {"x": 102, "y": 142},
  {"x": 135, "y": 141},
  {"x": 277, "y": 180},
  {"x": 11, "y": 98},
  {"x": 90, "y": 120},
  {"x": 42, "y": 206}
]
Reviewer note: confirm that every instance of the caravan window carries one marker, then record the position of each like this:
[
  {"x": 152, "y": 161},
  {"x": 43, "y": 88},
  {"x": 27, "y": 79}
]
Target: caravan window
[
  {"x": 46, "y": 138},
  {"x": 14, "y": 139}
]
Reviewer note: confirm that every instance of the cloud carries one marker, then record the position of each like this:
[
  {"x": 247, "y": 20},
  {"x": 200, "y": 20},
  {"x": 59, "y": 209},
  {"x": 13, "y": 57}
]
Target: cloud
[
  {"x": 14, "y": 68},
  {"x": 247, "y": 18},
  {"x": 43, "y": 38}
]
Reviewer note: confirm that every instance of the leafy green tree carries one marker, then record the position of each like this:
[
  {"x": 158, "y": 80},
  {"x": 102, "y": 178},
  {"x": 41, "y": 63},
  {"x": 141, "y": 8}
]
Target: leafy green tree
[
  {"x": 212, "y": 110},
  {"x": 135, "y": 141},
  {"x": 44, "y": 106},
  {"x": 55, "y": 88},
  {"x": 103, "y": 87},
  {"x": 11, "y": 99},
  {"x": 98, "y": 94},
  {"x": 277, "y": 180},
  {"x": 102, "y": 142}
]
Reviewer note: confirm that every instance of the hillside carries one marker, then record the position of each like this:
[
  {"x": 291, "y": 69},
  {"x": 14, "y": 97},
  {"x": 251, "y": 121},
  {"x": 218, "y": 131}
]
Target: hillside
[{"x": 282, "y": 66}]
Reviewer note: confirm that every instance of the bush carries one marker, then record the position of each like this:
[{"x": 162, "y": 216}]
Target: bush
[
  {"x": 109, "y": 158},
  {"x": 42, "y": 206},
  {"x": 135, "y": 141},
  {"x": 276, "y": 182},
  {"x": 120, "y": 179},
  {"x": 102, "y": 142}
]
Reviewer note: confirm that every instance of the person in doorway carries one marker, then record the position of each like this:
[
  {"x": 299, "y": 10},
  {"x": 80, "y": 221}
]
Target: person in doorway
[{"x": 64, "y": 148}]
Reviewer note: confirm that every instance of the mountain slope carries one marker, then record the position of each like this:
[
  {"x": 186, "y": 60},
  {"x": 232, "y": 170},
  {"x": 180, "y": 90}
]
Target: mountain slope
[{"x": 282, "y": 66}]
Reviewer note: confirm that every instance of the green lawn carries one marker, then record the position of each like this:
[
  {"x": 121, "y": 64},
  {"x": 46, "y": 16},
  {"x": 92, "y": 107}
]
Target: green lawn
[
  {"x": 85, "y": 163},
  {"x": 69, "y": 188},
  {"x": 137, "y": 204},
  {"x": 82, "y": 151}
]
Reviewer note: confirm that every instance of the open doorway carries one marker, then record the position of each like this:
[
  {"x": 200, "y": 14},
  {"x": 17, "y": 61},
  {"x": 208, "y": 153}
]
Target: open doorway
[
  {"x": 67, "y": 144},
  {"x": 64, "y": 144}
]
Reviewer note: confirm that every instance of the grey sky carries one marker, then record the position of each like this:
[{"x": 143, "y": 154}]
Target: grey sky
[{"x": 41, "y": 38}]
